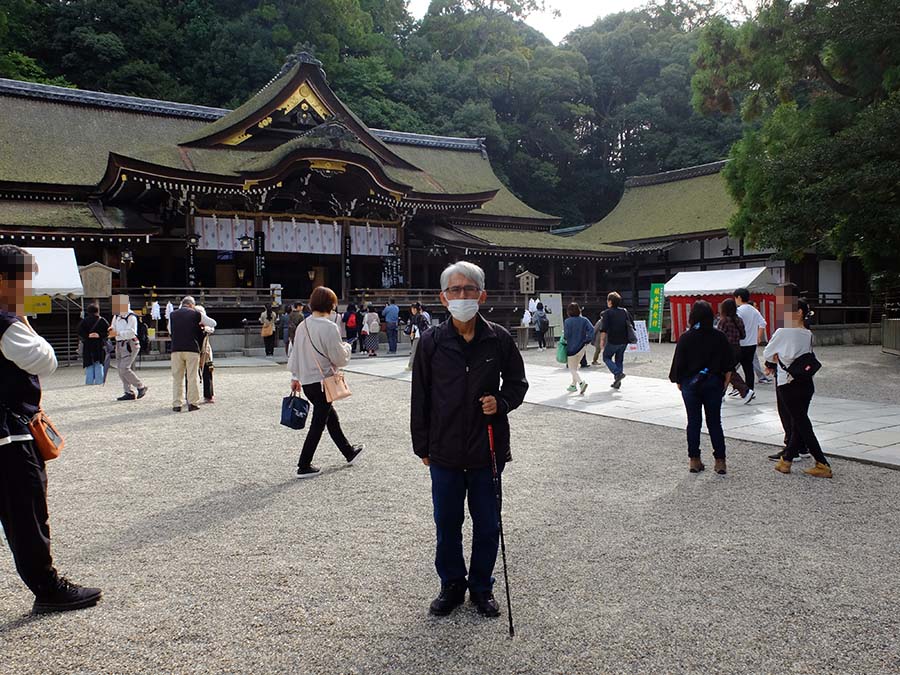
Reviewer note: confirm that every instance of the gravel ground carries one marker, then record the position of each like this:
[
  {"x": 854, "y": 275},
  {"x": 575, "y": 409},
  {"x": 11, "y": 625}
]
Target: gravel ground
[
  {"x": 215, "y": 559},
  {"x": 859, "y": 372}
]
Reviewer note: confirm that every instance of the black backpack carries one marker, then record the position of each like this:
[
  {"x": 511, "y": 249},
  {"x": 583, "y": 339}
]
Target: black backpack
[{"x": 143, "y": 335}]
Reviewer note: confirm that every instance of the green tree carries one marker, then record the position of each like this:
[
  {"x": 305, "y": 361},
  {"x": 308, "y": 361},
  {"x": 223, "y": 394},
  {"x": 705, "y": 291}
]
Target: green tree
[{"x": 821, "y": 169}]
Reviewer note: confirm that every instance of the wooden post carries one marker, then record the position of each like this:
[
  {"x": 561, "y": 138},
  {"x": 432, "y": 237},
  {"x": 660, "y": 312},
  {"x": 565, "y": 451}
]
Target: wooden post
[{"x": 345, "y": 261}]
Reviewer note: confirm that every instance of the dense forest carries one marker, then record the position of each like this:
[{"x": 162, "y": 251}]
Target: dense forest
[
  {"x": 804, "y": 95},
  {"x": 564, "y": 125}
]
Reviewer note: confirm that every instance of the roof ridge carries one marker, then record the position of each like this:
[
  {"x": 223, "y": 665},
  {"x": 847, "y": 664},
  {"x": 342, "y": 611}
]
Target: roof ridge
[
  {"x": 676, "y": 174},
  {"x": 57, "y": 94}
]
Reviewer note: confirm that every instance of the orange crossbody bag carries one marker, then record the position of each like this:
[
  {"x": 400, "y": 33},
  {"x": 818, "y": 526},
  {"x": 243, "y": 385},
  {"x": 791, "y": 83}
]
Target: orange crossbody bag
[{"x": 47, "y": 439}]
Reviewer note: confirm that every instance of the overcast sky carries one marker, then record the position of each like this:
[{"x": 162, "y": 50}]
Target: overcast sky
[{"x": 573, "y": 13}]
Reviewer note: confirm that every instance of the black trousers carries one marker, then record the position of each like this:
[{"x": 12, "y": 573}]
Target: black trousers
[
  {"x": 541, "y": 339},
  {"x": 207, "y": 374},
  {"x": 269, "y": 342},
  {"x": 748, "y": 356},
  {"x": 796, "y": 397},
  {"x": 323, "y": 416},
  {"x": 23, "y": 512}
]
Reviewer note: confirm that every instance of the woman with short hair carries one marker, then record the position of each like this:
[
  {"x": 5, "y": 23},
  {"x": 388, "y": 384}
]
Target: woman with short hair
[
  {"x": 318, "y": 353},
  {"x": 371, "y": 331},
  {"x": 578, "y": 332},
  {"x": 702, "y": 368},
  {"x": 92, "y": 330}
]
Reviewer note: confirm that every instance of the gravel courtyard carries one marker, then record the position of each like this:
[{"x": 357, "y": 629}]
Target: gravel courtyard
[{"x": 215, "y": 559}]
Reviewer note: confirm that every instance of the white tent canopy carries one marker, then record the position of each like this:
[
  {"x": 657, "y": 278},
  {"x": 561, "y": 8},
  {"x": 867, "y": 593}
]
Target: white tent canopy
[
  {"x": 720, "y": 282},
  {"x": 57, "y": 272}
]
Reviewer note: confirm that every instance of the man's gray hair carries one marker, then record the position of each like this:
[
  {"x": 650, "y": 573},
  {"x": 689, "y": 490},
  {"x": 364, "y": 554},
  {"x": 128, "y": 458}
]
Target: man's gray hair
[
  {"x": 188, "y": 301},
  {"x": 470, "y": 271}
]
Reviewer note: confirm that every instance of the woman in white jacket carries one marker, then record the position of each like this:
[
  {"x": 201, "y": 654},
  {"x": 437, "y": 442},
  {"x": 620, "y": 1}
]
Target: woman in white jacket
[
  {"x": 794, "y": 395},
  {"x": 318, "y": 352}
]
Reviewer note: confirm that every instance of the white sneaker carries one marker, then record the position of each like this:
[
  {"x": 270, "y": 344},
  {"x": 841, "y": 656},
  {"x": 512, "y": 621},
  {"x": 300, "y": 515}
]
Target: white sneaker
[{"x": 749, "y": 397}]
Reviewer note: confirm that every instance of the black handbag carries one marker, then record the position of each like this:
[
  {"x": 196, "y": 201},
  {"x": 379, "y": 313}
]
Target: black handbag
[
  {"x": 803, "y": 368},
  {"x": 294, "y": 411}
]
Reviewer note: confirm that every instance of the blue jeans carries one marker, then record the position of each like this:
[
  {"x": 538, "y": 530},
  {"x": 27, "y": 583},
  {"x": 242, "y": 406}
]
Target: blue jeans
[
  {"x": 613, "y": 357},
  {"x": 93, "y": 374},
  {"x": 449, "y": 491},
  {"x": 704, "y": 398},
  {"x": 392, "y": 338}
]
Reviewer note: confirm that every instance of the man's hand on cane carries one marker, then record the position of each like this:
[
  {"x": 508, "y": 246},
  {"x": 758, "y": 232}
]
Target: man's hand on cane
[{"x": 488, "y": 404}]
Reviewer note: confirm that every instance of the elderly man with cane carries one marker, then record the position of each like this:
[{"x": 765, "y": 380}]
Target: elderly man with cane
[{"x": 468, "y": 376}]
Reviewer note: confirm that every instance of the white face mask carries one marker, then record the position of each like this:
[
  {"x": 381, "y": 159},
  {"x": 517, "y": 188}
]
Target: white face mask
[{"x": 463, "y": 310}]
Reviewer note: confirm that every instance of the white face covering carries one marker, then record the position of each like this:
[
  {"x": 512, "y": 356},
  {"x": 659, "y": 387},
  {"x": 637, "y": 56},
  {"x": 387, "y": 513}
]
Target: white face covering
[{"x": 463, "y": 310}]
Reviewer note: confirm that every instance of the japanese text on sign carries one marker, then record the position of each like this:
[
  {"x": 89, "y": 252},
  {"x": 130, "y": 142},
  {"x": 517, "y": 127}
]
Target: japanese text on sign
[{"x": 656, "y": 308}]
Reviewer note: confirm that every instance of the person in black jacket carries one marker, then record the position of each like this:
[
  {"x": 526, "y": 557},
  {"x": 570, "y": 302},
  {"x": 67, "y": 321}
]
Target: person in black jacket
[
  {"x": 702, "y": 368},
  {"x": 467, "y": 373},
  {"x": 92, "y": 330}
]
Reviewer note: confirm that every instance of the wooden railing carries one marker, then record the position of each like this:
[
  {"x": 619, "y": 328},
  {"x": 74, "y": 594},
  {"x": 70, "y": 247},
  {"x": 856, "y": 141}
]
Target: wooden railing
[{"x": 218, "y": 298}]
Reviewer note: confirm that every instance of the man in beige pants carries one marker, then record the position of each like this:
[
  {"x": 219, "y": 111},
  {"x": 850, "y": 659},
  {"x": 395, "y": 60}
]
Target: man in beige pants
[
  {"x": 123, "y": 328},
  {"x": 186, "y": 328}
]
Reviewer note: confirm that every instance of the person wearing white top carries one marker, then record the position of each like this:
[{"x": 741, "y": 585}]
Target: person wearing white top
[
  {"x": 318, "y": 353},
  {"x": 123, "y": 327},
  {"x": 25, "y": 357},
  {"x": 794, "y": 395},
  {"x": 754, "y": 329}
]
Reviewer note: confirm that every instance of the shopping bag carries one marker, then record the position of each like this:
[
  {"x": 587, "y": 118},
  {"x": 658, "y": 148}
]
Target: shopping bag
[
  {"x": 561, "y": 355},
  {"x": 294, "y": 411}
]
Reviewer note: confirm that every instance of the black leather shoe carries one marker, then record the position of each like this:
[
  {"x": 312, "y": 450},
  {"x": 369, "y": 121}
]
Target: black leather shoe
[
  {"x": 176, "y": 408},
  {"x": 452, "y": 595},
  {"x": 127, "y": 397},
  {"x": 142, "y": 392},
  {"x": 485, "y": 603},
  {"x": 65, "y": 597},
  {"x": 192, "y": 407}
]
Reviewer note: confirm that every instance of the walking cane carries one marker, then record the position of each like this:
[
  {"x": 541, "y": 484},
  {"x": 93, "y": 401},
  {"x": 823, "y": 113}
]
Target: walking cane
[{"x": 490, "y": 429}]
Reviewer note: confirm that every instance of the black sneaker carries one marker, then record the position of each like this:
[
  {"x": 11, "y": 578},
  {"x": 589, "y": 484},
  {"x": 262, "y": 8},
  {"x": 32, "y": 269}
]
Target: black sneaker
[
  {"x": 307, "y": 471},
  {"x": 620, "y": 377},
  {"x": 776, "y": 456},
  {"x": 66, "y": 597},
  {"x": 485, "y": 603},
  {"x": 176, "y": 408},
  {"x": 127, "y": 397},
  {"x": 192, "y": 407},
  {"x": 355, "y": 453},
  {"x": 142, "y": 392},
  {"x": 452, "y": 595},
  {"x": 617, "y": 384}
]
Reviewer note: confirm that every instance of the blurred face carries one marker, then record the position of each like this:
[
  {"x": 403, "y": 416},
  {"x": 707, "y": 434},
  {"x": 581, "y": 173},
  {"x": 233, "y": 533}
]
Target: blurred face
[
  {"x": 15, "y": 287},
  {"x": 120, "y": 304},
  {"x": 460, "y": 287},
  {"x": 786, "y": 309}
]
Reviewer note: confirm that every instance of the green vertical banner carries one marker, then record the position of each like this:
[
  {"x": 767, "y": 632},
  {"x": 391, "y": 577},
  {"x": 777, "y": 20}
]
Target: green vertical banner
[{"x": 657, "y": 301}]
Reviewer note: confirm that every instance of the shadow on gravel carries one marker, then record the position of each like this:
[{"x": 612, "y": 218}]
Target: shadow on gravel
[
  {"x": 13, "y": 624},
  {"x": 207, "y": 512}
]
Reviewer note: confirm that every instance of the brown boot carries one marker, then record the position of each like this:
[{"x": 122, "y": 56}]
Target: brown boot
[
  {"x": 696, "y": 466},
  {"x": 819, "y": 471},
  {"x": 783, "y": 466},
  {"x": 720, "y": 466}
]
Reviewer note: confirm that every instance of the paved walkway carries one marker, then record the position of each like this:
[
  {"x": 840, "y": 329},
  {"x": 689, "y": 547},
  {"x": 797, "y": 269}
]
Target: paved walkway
[{"x": 857, "y": 430}]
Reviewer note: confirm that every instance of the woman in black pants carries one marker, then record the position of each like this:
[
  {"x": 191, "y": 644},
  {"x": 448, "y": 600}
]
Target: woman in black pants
[
  {"x": 317, "y": 353},
  {"x": 794, "y": 395}
]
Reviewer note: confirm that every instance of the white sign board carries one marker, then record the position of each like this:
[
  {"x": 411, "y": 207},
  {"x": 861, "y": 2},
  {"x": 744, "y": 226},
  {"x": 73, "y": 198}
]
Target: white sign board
[
  {"x": 553, "y": 307},
  {"x": 643, "y": 339}
]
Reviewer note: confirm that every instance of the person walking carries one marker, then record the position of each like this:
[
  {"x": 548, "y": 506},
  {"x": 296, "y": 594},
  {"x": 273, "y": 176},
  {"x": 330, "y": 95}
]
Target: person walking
[
  {"x": 267, "y": 331},
  {"x": 467, "y": 374},
  {"x": 794, "y": 393},
  {"x": 124, "y": 329},
  {"x": 754, "y": 329},
  {"x": 391, "y": 316},
  {"x": 351, "y": 326},
  {"x": 579, "y": 333},
  {"x": 92, "y": 331},
  {"x": 701, "y": 367},
  {"x": 372, "y": 331},
  {"x": 25, "y": 357},
  {"x": 416, "y": 328},
  {"x": 295, "y": 318},
  {"x": 541, "y": 324},
  {"x": 186, "y": 329},
  {"x": 732, "y": 326},
  {"x": 318, "y": 352},
  {"x": 615, "y": 322},
  {"x": 207, "y": 365}
]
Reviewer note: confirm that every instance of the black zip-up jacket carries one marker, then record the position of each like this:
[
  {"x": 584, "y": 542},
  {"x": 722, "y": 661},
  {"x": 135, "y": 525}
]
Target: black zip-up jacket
[{"x": 449, "y": 376}]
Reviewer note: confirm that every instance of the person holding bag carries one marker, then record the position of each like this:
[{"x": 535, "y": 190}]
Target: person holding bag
[
  {"x": 25, "y": 357},
  {"x": 315, "y": 360},
  {"x": 92, "y": 330},
  {"x": 789, "y": 355},
  {"x": 267, "y": 319}
]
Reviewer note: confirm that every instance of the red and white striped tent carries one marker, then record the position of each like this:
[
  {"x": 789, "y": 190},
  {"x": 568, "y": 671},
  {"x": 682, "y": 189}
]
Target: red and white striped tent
[{"x": 714, "y": 286}]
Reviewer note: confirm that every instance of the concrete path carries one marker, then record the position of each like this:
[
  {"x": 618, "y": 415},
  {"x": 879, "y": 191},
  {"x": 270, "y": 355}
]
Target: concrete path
[{"x": 857, "y": 430}]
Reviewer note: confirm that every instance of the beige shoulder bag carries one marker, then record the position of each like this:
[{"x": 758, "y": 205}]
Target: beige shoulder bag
[{"x": 334, "y": 385}]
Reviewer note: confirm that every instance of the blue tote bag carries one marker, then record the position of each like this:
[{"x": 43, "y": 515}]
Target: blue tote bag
[{"x": 294, "y": 411}]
